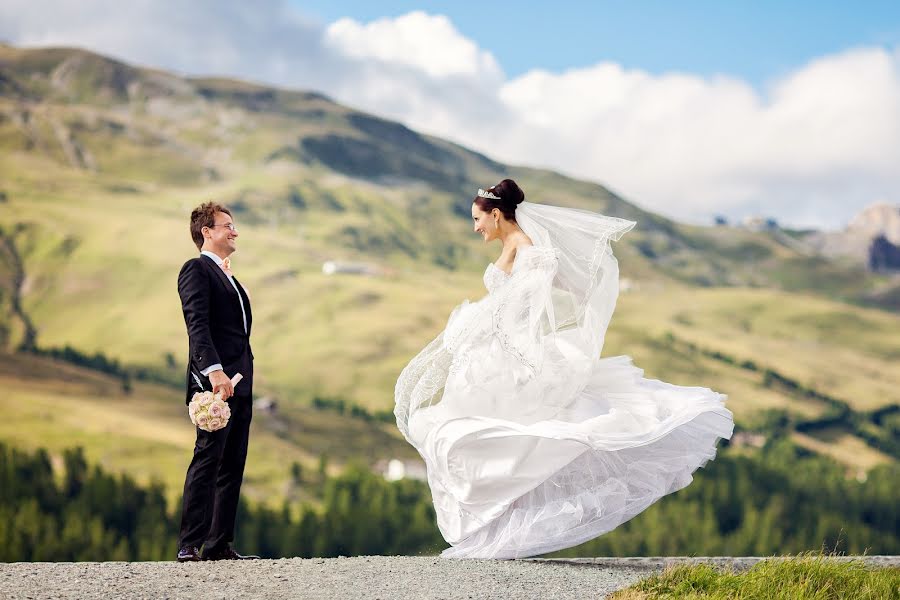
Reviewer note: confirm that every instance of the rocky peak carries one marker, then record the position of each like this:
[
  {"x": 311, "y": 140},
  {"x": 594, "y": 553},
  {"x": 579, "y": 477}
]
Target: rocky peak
[
  {"x": 872, "y": 238},
  {"x": 878, "y": 220}
]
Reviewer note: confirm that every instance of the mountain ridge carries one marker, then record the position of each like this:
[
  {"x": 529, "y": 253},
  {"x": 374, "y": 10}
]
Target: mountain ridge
[{"x": 102, "y": 162}]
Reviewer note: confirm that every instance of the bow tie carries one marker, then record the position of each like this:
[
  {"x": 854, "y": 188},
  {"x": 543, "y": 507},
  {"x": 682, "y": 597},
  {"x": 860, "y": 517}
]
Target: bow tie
[{"x": 226, "y": 266}]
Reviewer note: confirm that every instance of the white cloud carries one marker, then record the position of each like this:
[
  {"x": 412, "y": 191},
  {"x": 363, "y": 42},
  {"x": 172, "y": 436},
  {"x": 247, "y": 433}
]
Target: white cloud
[
  {"x": 812, "y": 149},
  {"x": 429, "y": 43},
  {"x": 822, "y": 143},
  {"x": 263, "y": 40}
]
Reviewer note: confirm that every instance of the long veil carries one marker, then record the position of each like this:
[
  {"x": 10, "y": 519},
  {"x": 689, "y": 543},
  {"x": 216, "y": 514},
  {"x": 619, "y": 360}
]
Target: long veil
[{"x": 586, "y": 285}]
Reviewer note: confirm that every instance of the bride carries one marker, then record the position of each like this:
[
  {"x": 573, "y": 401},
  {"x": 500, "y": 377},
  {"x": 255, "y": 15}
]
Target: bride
[{"x": 533, "y": 443}]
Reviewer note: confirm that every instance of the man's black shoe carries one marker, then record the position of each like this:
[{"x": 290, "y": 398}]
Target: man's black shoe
[
  {"x": 226, "y": 553},
  {"x": 189, "y": 554}
]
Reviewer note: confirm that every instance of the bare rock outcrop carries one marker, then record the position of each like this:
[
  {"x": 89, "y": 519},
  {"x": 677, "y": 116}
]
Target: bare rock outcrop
[{"x": 872, "y": 238}]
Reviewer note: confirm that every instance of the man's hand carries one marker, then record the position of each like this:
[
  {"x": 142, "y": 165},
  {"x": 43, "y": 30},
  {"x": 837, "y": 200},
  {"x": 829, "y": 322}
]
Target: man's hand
[{"x": 221, "y": 383}]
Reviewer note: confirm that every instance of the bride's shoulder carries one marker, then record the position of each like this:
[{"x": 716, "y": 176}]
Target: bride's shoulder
[
  {"x": 528, "y": 255},
  {"x": 524, "y": 246},
  {"x": 523, "y": 242}
]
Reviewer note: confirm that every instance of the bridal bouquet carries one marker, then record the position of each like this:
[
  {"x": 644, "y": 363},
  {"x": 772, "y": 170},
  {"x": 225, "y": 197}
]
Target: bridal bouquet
[{"x": 208, "y": 411}]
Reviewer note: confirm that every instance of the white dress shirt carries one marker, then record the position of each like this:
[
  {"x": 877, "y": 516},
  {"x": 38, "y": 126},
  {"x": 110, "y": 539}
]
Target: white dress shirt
[{"x": 218, "y": 367}]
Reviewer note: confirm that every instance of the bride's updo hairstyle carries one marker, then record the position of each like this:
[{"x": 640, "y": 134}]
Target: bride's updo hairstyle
[{"x": 508, "y": 194}]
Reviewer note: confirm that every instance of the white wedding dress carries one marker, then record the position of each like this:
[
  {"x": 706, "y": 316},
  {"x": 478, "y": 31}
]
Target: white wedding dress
[{"x": 532, "y": 442}]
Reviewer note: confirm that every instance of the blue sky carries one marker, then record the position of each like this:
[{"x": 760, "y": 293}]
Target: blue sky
[{"x": 757, "y": 41}]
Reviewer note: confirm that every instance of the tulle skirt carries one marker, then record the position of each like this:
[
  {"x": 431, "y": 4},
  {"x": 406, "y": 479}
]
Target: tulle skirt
[{"x": 517, "y": 471}]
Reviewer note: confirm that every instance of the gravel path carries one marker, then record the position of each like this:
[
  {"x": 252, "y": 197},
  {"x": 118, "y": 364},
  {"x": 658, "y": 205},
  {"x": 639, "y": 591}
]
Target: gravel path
[{"x": 358, "y": 577}]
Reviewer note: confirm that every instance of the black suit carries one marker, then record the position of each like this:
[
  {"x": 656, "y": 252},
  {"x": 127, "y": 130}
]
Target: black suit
[{"x": 215, "y": 326}]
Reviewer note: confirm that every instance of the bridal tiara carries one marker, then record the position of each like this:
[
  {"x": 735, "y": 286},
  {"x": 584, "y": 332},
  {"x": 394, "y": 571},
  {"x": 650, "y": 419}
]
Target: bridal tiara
[{"x": 484, "y": 194}]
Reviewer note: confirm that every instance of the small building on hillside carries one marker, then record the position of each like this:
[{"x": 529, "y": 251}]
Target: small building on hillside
[
  {"x": 396, "y": 469},
  {"x": 759, "y": 223},
  {"x": 266, "y": 404},
  {"x": 743, "y": 439},
  {"x": 333, "y": 267}
]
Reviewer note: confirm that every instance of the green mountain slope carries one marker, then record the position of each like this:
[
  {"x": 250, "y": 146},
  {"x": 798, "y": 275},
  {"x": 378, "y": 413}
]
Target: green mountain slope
[{"x": 101, "y": 162}]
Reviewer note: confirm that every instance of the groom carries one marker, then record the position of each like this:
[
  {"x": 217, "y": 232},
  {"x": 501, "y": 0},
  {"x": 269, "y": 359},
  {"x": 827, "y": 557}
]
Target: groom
[{"x": 217, "y": 314}]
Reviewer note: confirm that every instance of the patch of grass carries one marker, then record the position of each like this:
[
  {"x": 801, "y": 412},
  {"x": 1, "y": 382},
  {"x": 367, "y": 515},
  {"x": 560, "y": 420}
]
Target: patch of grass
[{"x": 805, "y": 577}]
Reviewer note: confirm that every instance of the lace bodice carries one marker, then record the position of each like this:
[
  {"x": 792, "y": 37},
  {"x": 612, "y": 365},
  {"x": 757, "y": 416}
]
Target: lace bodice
[
  {"x": 527, "y": 257},
  {"x": 494, "y": 277}
]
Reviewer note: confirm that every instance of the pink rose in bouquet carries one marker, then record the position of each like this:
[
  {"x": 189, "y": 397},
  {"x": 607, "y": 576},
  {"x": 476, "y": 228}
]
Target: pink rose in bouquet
[{"x": 208, "y": 411}]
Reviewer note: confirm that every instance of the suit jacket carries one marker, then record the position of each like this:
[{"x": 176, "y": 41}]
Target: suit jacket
[{"x": 215, "y": 326}]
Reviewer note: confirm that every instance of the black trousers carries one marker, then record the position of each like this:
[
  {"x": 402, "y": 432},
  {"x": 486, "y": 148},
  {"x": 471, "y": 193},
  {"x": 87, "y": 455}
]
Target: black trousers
[{"x": 213, "y": 482}]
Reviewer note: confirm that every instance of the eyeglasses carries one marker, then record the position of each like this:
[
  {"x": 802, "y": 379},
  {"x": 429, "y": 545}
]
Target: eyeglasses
[{"x": 228, "y": 225}]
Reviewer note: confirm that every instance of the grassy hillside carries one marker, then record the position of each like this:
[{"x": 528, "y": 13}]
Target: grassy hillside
[
  {"x": 820, "y": 366},
  {"x": 147, "y": 432},
  {"x": 101, "y": 162}
]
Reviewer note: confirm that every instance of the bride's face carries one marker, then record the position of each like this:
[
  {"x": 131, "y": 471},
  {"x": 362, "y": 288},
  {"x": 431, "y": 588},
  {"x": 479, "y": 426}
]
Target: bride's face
[{"x": 485, "y": 223}]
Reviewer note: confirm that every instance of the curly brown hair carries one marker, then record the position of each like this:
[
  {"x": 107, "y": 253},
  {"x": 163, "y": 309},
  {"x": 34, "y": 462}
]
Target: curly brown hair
[{"x": 204, "y": 216}]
